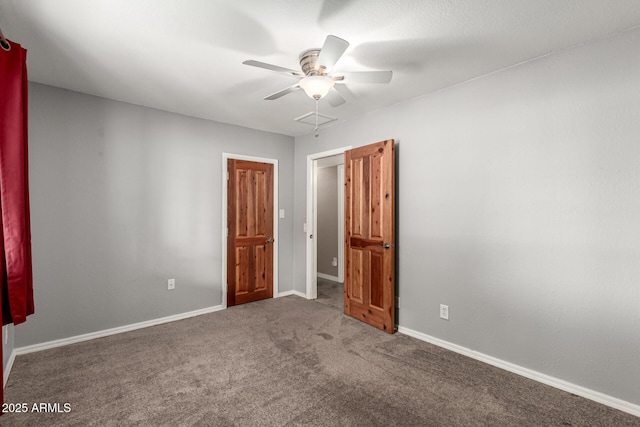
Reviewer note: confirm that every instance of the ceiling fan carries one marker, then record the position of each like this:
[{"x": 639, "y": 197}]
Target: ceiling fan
[{"x": 317, "y": 77}]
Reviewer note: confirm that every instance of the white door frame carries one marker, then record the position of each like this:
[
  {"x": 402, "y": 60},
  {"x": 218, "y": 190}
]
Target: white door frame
[
  {"x": 341, "y": 223},
  {"x": 312, "y": 220},
  {"x": 274, "y": 162}
]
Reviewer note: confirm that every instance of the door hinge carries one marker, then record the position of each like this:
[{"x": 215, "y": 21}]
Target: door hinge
[{"x": 227, "y": 175}]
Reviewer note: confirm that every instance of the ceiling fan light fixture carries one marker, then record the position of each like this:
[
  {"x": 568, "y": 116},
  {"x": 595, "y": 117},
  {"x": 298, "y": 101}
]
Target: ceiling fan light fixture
[{"x": 317, "y": 86}]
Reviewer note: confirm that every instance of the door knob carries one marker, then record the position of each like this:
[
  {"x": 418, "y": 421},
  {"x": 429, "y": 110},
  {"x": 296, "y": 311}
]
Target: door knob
[
  {"x": 386, "y": 246},
  {"x": 270, "y": 240}
]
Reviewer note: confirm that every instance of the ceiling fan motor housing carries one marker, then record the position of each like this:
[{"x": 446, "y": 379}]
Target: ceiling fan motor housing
[{"x": 309, "y": 63}]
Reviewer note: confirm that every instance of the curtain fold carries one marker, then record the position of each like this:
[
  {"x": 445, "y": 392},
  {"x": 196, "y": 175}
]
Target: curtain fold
[{"x": 15, "y": 229}]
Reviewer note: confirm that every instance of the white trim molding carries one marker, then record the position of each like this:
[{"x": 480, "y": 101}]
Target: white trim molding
[
  {"x": 296, "y": 293},
  {"x": 329, "y": 277},
  {"x": 311, "y": 226},
  {"x": 113, "y": 331},
  {"x": 340, "y": 171},
  {"x": 613, "y": 402}
]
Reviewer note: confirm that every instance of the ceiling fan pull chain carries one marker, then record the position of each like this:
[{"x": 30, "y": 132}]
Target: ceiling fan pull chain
[{"x": 317, "y": 133}]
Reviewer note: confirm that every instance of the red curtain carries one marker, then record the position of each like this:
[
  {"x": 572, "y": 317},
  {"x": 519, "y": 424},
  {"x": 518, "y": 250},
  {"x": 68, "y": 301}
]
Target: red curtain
[
  {"x": 14, "y": 186},
  {"x": 15, "y": 229}
]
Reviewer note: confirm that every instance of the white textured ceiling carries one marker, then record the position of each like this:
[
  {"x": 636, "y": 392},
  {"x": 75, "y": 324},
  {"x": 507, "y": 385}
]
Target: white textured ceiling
[{"x": 186, "y": 56}]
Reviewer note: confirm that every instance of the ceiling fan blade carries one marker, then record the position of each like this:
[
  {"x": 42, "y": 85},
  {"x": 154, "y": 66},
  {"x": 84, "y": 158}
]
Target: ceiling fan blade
[
  {"x": 273, "y": 68},
  {"x": 334, "y": 98},
  {"x": 331, "y": 51},
  {"x": 282, "y": 92},
  {"x": 364, "y": 76}
]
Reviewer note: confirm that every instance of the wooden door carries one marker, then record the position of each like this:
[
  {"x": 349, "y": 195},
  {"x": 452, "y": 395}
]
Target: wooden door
[
  {"x": 250, "y": 231},
  {"x": 369, "y": 291}
]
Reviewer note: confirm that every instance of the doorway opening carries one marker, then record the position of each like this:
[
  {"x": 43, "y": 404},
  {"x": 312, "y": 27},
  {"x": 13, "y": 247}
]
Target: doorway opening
[
  {"x": 369, "y": 232},
  {"x": 325, "y": 226}
]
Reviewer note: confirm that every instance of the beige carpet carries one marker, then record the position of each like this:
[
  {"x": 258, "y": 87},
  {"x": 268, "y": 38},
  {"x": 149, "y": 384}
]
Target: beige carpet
[
  {"x": 285, "y": 361},
  {"x": 331, "y": 293}
]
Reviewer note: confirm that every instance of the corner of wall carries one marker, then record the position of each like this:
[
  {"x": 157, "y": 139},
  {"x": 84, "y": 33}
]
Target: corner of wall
[{"x": 8, "y": 353}]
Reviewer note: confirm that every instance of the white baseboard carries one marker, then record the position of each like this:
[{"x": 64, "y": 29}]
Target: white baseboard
[
  {"x": 7, "y": 369},
  {"x": 296, "y": 293},
  {"x": 613, "y": 402},
  {"x": 328, "y": 277},
  {"x": 107, "y": 332}
]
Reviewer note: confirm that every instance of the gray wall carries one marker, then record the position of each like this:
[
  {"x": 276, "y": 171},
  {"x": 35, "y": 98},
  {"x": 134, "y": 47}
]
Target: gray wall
[
  {"x": 518, "y": 207},
  {"x": 327, "y": 219},
  {"x": 124, "y": 197}
]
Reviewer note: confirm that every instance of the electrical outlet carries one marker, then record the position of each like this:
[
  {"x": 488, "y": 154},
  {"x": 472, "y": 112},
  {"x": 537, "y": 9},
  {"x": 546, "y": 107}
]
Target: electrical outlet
[
  {"x": 444, "y": 312},
  {"x": 171, "y": 284}
]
